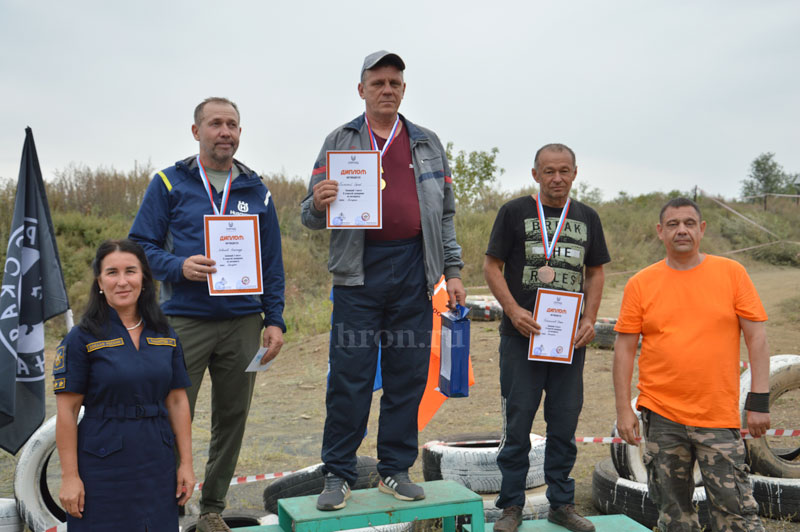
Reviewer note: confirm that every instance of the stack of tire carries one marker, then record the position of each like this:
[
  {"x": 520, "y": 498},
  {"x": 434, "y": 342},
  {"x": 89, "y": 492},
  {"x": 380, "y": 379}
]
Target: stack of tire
[
  {"x": 775, "y": 471},
  {"x": 604, "y": 334},
  {"x": 483, "y": 308},
  {"x": 471, "y": 460},
  {"x": 37, "y": 507},
  {"x": 10, "y": 521},
  {"x": 619, "y": 484}
]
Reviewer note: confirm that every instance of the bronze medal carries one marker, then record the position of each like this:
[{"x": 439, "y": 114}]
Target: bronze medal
[{"x": 546, "y": 274}]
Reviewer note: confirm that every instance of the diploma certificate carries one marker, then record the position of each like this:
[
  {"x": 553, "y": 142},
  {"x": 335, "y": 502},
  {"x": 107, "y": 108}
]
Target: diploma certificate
[
  {"x": 557, "y": 312},
  {"x": 233, "y": 242},
  {"x": 358, "y": 203}
]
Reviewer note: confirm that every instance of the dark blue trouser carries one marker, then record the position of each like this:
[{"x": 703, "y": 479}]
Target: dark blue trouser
[
  {"x": 391, "y": 308},
  {"x": 521, "y": 385}
]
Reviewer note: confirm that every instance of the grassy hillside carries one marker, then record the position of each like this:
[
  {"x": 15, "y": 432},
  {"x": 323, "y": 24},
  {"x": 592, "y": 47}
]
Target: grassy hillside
[{"x": 89, "y": 206}]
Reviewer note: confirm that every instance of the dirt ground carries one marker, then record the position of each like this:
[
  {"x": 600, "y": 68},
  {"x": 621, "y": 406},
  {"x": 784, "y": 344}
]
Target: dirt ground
[{"x": 285, "y": 426}]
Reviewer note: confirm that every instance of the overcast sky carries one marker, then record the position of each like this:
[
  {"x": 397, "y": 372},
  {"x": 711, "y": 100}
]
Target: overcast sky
[{"x": 653, "y": 96}]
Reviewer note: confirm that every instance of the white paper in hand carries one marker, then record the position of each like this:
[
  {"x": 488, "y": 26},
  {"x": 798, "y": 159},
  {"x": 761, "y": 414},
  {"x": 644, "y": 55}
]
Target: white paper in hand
[{"x": 256, "y": 365}]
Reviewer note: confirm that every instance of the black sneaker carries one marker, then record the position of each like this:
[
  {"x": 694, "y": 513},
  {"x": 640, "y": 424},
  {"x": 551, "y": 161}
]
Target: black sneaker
[
  {"x": 401, "y": 487},
  {"x": 567, "y": 517},
  {"x": 334, "y": 494},
  {"x": 510, "y": 520}
]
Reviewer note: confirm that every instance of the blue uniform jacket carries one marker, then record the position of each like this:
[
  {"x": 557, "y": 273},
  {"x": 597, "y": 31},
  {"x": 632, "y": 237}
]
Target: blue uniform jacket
[{"x": 169, "y": 226}]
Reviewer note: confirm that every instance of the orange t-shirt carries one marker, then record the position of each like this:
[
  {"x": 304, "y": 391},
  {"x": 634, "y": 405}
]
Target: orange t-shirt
[{"x": 689, "y": 363}]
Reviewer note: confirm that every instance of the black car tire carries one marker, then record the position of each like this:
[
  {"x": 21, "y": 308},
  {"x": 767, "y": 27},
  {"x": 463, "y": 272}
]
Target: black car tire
[
  {"x": 614, "y": 495},
  {"x": 311, "y": 481},
  {"x": 784, "y": 376}
]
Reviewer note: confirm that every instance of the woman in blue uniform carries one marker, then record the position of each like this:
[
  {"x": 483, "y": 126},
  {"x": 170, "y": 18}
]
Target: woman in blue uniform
[{"x": 124, "y": 364}]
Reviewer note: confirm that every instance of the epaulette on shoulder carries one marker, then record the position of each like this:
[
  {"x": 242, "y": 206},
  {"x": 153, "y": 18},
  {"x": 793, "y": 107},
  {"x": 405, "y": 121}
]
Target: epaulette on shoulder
[{"x": 162, "y": 341}]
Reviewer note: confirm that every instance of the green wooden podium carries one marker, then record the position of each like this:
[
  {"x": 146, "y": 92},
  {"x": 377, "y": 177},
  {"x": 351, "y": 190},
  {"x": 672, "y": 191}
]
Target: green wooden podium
[
  {"x": 444, "y": 499},
  {"x": 602, "y": 523}
]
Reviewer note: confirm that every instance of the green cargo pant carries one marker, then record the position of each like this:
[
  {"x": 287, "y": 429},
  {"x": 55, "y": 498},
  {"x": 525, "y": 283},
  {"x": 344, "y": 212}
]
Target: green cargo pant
[
  {"x": 669, "y": 456},
  {"x": 225, "y": 347}
]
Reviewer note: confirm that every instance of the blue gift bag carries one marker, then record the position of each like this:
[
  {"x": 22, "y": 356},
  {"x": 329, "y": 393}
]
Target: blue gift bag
[{"x": 454, "y": 360}]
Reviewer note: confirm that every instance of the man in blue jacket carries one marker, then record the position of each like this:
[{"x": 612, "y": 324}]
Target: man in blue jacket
[
  {"x": 218, "y": 333},
  {"x": 383, "y": 280}
]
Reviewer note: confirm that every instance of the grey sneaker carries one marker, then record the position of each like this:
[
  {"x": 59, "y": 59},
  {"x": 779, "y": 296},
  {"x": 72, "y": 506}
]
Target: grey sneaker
[
  {"x": 334, "y": 494},
  {"x": 567, "y": 517},
  {"x": 510, "y": 520},
  {"x": 212, "y": 522},
  {"x": 401, "y": 487}
]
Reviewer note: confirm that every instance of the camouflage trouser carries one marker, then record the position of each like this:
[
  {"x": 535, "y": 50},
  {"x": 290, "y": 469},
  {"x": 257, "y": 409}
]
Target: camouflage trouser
[{"x": 669, "y": 457}]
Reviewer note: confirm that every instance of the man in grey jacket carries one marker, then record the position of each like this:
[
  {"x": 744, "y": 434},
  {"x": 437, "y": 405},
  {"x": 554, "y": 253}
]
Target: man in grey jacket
[{"x": 383, "y": 280}]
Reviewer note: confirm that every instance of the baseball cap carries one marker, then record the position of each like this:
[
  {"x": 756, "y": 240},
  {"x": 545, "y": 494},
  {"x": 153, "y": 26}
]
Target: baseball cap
[{"x": 376, "y": 57}]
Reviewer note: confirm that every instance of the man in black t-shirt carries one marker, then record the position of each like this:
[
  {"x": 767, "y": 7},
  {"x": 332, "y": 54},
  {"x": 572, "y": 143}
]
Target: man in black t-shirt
[{"x": 543, "y": 241}]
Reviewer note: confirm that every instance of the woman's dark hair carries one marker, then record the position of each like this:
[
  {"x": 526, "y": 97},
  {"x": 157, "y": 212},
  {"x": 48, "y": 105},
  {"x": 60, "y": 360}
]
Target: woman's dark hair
[{"x": 96, "y": 318}]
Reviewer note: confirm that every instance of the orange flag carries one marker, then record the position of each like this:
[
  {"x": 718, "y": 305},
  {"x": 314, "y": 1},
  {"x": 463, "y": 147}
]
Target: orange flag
[{"x": 432, "y": 399}]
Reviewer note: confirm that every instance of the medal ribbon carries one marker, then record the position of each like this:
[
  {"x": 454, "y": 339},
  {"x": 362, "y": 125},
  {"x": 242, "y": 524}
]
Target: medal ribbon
[
  {"x": 548, "y": 249},
  {"x": 374, "y": 143},
  {"x": 226, "y": 191}
]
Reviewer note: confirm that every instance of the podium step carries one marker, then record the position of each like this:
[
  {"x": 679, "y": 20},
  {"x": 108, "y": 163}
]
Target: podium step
[
  {"x": 602, "y": 523},
  {"x": 443, "y": 499}
]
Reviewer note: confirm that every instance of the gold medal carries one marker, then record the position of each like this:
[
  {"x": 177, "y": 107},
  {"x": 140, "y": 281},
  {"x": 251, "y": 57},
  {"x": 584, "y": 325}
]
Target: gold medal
[
  {"x": 546, "y": 274},
  {"x": 383, "y": 183}
]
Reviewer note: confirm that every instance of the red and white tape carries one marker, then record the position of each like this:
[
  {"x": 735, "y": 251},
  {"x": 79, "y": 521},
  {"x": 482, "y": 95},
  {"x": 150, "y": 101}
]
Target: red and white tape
[
  {"x": 252, "y": 478},
  {"x": 790, "y": 433},
  {"x": 786, "y": 433}
]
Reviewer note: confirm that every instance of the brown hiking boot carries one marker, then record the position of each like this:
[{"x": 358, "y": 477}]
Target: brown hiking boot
[
  {"x": 510, "y": 520},
  {"x": 567, "y": 517},
  {"x": 212, "y": 522}
]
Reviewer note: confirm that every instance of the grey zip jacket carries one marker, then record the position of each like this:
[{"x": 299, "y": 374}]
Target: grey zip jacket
[{"x": 442, "y": 254}]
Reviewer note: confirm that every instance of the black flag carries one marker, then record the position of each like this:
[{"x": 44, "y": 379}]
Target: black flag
[{"x": 33, "y": 291}]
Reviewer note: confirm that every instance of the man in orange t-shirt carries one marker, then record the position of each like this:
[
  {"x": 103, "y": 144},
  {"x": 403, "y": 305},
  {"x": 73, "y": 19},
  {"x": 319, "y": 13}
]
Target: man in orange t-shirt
[{"x": 690, "y": 309}]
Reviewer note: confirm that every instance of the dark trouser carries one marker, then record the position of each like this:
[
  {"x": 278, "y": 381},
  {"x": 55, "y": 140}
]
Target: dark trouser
[
  {"x": 391, "y": 308},
  {"x": 225, "y": 347},
  {"x": 669, "y": 456},
  {"x": 521, "y": 385}
]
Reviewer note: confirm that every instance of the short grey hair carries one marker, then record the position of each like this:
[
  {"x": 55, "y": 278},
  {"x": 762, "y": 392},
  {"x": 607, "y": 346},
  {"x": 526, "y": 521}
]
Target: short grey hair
[{"x": 553, "y": 147}]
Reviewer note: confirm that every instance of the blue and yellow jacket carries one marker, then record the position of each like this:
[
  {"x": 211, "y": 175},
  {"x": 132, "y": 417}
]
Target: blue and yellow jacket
[{"x": 169, "y": 226}]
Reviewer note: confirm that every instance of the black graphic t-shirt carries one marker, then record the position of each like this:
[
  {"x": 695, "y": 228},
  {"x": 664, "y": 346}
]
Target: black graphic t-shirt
[{"x": 516, "y": 239}]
